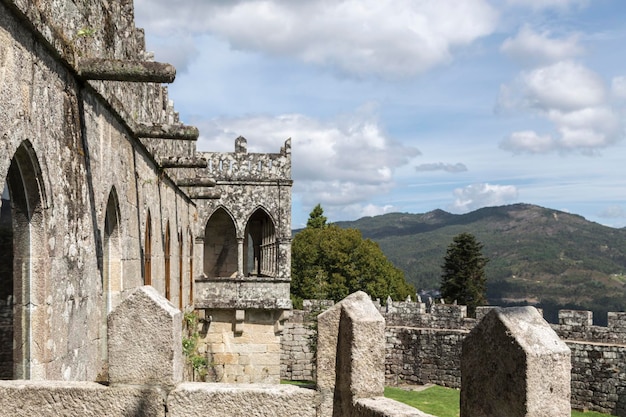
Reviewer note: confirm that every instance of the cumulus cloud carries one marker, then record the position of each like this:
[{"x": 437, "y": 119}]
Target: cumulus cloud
[
  {"x": 564, "y": 86},
  {"x": 528, "y": 141},
  {"x": 346, "y": 161},
  {"x": 531, "y": 48},
  {"x": 574, "y": 99},
  {"x": 440, "y": 166},
  {"x": 389, "y": 38},
  {"x": 476, "y": 196}
]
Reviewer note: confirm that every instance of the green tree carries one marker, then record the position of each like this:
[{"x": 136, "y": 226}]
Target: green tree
[
  {"x": 329, "y": 263},
  {"x": 463, "y": 273},
  {"x": 317, "y": 220}
]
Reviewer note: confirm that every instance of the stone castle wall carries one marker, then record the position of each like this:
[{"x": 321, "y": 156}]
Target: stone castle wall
[{"x": 423, "y": 345}]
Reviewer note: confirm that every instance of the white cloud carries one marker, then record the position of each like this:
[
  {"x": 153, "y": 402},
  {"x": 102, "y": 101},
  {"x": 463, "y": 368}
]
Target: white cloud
[
  {"x": 548, "y": 4},
  {"x": 531, "y": 48},
  {"x": 440, "y": 166},
  {"x": 563, "y": 86},
  {"x": 356, "y": 211},
  {"x": 528, "y": 141},
  {"x": 341, "y": 162},
  {"x": 179, "y": 50},
  {"x": 613, "y": 212},
  {"x": 618, "y": 87},
  {"x": 476, "y": 196},
  {"x": 390, "y": 38},
  {"x": 570, "y": 96}
]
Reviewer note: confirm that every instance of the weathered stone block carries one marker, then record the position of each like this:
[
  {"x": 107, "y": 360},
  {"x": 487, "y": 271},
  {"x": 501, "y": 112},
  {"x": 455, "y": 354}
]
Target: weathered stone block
[
  {"x": 79, "y": 399},
  {"x": 145, "y": 340},
  {"x": 351, "y": 354},
  {"x": 513, "y": 364},
  {"x": 224, "y": 400}
]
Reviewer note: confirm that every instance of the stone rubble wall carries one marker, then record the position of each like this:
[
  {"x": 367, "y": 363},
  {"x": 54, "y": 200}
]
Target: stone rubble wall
[
  {"x": 423, "y": 345},
  {"x": 298, "y": 341},
  {"x": 296, "y": 358}
]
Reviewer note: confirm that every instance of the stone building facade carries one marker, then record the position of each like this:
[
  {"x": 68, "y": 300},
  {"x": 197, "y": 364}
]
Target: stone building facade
[
  {"x": 243, "y": 292},
  {"x": 103, "y": 191}
]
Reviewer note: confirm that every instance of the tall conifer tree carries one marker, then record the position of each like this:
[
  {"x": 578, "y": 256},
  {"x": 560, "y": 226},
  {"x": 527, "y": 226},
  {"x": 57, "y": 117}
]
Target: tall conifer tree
[{"x": 463, "y": 273}]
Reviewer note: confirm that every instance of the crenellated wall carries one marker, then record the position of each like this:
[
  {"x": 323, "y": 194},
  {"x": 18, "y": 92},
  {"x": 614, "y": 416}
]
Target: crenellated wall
[{"x": 423, "y": 345}]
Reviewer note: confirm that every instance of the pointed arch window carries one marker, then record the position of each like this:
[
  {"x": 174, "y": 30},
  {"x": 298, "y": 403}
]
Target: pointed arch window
[
  {"x": 168, "y": 272},
  {"x": 147, "y": 252},
  {"x": 190, "y": 269},
  {"x": 220, "y": 246},
  {"x": 111, "y": 264},
  {"x": 23, "y": 259},
  {"x": 180, "y": 270},
  {"x": 260, "y": 245}
]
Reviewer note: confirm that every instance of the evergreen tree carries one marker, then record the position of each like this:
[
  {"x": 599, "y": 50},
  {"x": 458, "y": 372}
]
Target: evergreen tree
[
  {"x": 463, "y": 273},
  {"x": 328, "y": 262},
  {"x": 317, "y": 220}
]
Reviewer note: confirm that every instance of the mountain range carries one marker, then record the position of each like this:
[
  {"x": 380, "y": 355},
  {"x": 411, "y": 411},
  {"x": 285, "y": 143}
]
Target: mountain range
[{"x": 537, "y": 255}]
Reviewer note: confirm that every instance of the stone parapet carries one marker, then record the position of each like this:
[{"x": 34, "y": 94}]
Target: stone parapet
[
  {"x": 242, "y": 293},
  {"x": 236, "y": 400},
  {"x": 79, "y": 399},
  {"x": 89, "y": 399},
  {"x": 253, "y": 167},
  {"x": 384, "y": 407}
]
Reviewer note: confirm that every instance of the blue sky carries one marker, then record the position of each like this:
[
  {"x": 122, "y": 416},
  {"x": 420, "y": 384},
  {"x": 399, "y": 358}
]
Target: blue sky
[{"x": 410, "y": 105}]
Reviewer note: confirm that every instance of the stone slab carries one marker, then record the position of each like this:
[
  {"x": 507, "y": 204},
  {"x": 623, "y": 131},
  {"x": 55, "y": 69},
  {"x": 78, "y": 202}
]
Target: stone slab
[
  {"x": 193, "y": 399},
  {"x": 79, "y": 399}
]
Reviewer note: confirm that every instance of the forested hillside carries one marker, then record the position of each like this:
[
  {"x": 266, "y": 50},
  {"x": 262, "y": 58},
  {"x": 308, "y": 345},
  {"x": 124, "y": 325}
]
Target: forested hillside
[{"x": 537, "y": 255}]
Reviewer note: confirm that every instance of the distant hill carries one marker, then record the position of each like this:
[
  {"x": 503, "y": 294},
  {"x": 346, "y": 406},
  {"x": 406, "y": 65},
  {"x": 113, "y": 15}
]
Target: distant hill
[{"x": 537, "y": 255}]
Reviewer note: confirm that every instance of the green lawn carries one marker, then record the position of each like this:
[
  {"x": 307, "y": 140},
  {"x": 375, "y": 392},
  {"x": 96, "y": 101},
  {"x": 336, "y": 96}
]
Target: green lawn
[{"x": 444, "y": 402}]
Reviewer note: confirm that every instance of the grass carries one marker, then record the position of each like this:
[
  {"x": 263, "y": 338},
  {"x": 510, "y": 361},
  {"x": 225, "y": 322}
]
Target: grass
[
  {"x": 438, "y": 401},
  {"x": 444, "y": 402},
  {"x": 301, "y": 384}
]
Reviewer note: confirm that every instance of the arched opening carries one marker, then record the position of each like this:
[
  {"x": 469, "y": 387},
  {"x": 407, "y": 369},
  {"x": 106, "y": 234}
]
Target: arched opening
[
  {"x": 260, "y": 246},
  {"x": 111, "y": 265},
  {"x": 147, "y": 252},
  {"x": 168, "y": 273},
  {"x": 190, "y": 269},
  {"x": 22, "y": 255},
  {"x": 220, "y": 246},
  {"x": 180, "y": 270},
  {"x": 6, "y": 286}
]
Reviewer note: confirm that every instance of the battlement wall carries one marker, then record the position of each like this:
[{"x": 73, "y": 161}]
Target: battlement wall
[
  {"x": 423, "y": 345},
  {"x": 243, "y": 166}
]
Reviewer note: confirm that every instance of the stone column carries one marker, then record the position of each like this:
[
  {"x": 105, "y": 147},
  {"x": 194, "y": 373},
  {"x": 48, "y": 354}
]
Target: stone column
[{"x": 240, "y": 272}]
